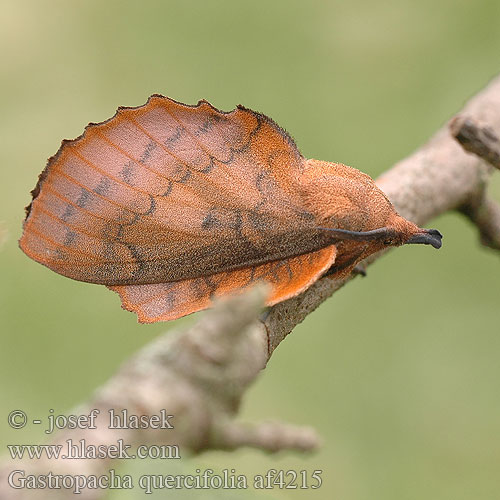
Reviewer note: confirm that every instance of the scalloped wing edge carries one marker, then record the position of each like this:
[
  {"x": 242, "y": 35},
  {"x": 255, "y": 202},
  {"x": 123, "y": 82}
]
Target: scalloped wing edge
[{"x": 91, "y": 125}]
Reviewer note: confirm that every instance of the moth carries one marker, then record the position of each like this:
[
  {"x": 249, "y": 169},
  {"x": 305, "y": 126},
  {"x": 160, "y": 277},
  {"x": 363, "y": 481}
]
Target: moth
[{"x": 172, "y": 205}]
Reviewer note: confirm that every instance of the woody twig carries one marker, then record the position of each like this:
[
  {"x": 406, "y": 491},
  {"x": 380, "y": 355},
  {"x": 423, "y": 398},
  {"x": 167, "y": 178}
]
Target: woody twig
[
  {"x": 482, "y": 141},
  {"x": 199, "y": 376},
  {"x": 485, "y": 214},
  {"x": 477, "y": 139}
]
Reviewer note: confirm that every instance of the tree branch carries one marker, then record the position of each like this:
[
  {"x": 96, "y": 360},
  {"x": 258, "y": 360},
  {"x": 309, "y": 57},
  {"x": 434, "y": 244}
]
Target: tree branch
[
  {"x": 476, "y": 139},
  {"x": 485, "y": 214},
  {"x": 200, "y": 375},
  {"x": 481, "y": 210}
]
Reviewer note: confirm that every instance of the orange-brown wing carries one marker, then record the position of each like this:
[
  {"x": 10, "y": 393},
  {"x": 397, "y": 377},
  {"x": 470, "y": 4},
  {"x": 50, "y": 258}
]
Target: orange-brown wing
[
  {"x": 168, "y": 301},
  {"x": 166, "y": 192}
]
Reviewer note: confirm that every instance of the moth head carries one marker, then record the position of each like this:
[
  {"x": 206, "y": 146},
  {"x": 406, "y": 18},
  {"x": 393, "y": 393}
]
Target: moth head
[
  {"x": 353, "y": 208},
  {"x": 407, "y": 233},
  {"x": 398, "y": 232}
]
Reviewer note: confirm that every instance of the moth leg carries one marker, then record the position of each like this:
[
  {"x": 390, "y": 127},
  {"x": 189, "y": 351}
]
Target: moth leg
[
  {"x": 264, "y": 314},
  {"x": 349, "y": 260},
  {"x": 360, "y": 269}
]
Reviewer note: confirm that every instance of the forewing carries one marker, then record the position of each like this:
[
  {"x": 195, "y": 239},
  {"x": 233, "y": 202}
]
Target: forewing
[
  {"x": 168, "y": 301},
  {"x": 166, "y": 192}
]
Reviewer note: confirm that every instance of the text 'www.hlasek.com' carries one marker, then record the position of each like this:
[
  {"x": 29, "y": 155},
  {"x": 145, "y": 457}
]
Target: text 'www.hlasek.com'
[{"x": 104, "y": 436}]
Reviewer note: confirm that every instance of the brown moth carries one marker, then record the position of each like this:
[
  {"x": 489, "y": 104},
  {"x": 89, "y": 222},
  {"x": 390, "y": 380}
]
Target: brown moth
[{"x": 172, "y": 205}]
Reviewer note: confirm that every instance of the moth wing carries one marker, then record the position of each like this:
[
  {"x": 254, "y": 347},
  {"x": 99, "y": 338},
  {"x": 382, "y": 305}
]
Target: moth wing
[
  {"x": 168, "y": 301},
  {"x": 167, "y": 192}
]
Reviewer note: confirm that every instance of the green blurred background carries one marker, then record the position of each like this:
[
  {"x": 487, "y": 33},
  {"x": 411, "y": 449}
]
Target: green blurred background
[{"x": 400, "y": 371}]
